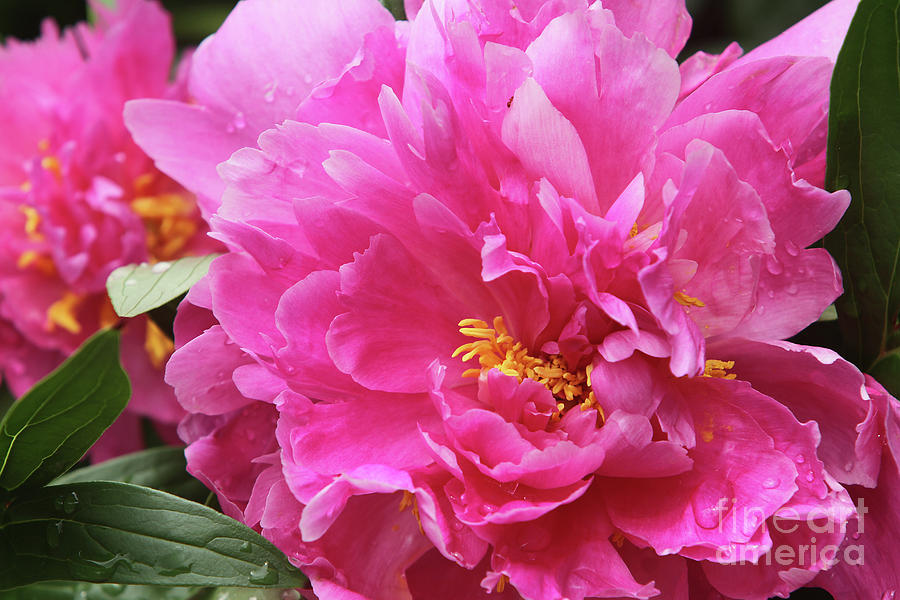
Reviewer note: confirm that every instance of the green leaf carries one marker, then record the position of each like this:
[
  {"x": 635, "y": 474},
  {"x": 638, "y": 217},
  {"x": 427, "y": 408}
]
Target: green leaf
[
  {"x": 249, "y": 594},
  {"x": 6, "y": 400},
  {"x": 864, "y": 157},
  {"x": 51, "y": 427},
  {"x": 66, "y": 590},
  {"x": 161, "y": 468},
  {"x": 135, "y": 289},
  {"x": 887, "y": 372},
  {"x": 396, "y": 7},
  {"x": 110, "y": 532}
]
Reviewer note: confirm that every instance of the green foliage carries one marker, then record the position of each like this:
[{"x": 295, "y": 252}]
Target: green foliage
[
  {"x": 864, "y": 157},
  {"x": 136, "y": 289},
  {"x": 64, "y": 590},
  {"x": 121, "y": 533},
  {"x": 51, "y": 427},
  {"x": 396, "y": 7},
  {"x": 161, "y": 468}
]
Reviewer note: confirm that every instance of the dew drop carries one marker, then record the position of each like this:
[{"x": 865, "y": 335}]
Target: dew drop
[
  {"x": 291, "y": 595},
  {"x": 160, "y": 267},
  {"x": 791, "y": 248},
  {"x": 307, "y": 78},
  {"x": 800, "y": 459},
  {"x": 773, "y": 265},
  {"x": 770, "y": 293},
  {"x": 246, "y": 547},
  {"x": 710, "y": 503},
  {"x": 113, "y": 589},
  {"x": 263, "y": 575},
  {"x": 239, "y": 121},
  {"x": 130, "y": 282},
  {"x": 888, "y": 595},
  {"x": 771, "y": 483},
  {"x": 269, "y": 93},
  {"x": 173, "y": 563},
  {"x": 849, "y": 466},
  {"x": 792, "y": 289},
  {"x": 66, "y": 503},
  {"x": 810, "y": 477},
  {"x": 53, "y": 532},
  {"x": 534, "y": 538}
]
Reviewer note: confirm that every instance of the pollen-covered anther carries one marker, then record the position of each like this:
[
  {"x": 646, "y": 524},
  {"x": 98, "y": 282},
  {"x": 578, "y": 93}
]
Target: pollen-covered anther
[
  {"x": 496, "y": 349},
  {"x": 409, "y": 500},
  {"x": 683, "y": 299},
  {"x": 719, "y": 369},
  {"x": 62, "y": 313},
  {"x": 32, "y": 222},
  {"x": 168, "y": 219}
]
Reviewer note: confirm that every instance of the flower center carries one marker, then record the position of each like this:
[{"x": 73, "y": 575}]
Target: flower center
[
  {"x": 496, "y": 349},
  {"x": 168, "y": 219},
  {"x": 719, "y": 369}
]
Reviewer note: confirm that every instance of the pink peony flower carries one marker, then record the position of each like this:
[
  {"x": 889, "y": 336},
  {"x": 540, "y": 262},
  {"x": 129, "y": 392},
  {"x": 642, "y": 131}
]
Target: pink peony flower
[
  {"x": 79, "y": 198},
  {"x": 503, "y": 299}
]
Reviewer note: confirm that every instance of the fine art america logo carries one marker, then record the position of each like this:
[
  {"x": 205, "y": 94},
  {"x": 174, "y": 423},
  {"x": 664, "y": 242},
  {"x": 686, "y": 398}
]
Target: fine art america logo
[{"x": 834, "y": 544}]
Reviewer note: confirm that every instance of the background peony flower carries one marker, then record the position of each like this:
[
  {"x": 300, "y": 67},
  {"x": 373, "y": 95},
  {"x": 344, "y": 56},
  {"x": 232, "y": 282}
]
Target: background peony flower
[
  {"x": 79, "y": 198},
  {"x": 511, "y": 322}
]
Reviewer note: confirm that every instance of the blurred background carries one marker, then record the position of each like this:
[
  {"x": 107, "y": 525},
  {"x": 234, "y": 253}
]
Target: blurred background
[{"x": 716, "y": 22}]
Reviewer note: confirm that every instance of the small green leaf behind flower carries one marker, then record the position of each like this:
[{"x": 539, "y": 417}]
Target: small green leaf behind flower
[
  {"x": 136, "y": 289},
  {"x": 54, "y": 424}
]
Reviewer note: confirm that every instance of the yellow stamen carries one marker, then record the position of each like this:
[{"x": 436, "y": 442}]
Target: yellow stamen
[
  {"x": 25, "y": 186},
  {"x": 32, "y": 222},
  {"x": 38, "y": 260},
  {"x": 169, "y": 221},
  {"x": 719, "y": 368},
  {"x": 158, "y": 345},
  {"x": 44, "y": 145},
  {"x": 409, "y": 499},
  {"x": 501, "y": 583},
  {"x": 108, "y": 316},
  {"x": 143, "y": 182},
  {"x": 685, "y": 300},
  {"x": 634, "y": 230},
  {"x": 496, "y": 349},
  {"x": 62, "y": 313},
  {"x": 51, "y": 163},
  {"x": 618, "y": 538}
]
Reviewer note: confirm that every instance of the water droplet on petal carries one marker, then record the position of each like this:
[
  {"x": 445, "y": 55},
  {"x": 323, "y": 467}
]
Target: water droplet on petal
[
  {"x": 771, "y": 483},
  {"x": 810, "y": 477},
  {"x": 791, "y": 289},
  {"x": 800, "y": 459},
  {"x": 791, "y": 248},
  {"x": 773, "y": 265},
  {"x": 239, "y": 121},
  {"x": 849, "y": 466},
  {"x": 307, "y": 78},
  {"x": 269, "y": 93},
  {"x": 534, "y": 538},
  {"x": 711, "y": 502}
]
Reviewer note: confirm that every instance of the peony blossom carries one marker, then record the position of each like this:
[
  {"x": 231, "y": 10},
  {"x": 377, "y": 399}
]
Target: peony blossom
[
  {"x": 79, "y": 198},
  {"x": 503, "y": 307}
]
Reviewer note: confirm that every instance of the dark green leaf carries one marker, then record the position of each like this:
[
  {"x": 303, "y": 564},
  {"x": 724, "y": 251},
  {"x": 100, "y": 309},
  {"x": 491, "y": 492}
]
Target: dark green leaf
[
  {"x": 161, "y": 468},
  {"x": 135, "y": 289},
  {"x": 66, "y": 590},
  {"x": 396, "y": 7},
  {"x": 164, "y": 316},
  {"x": 51, "y": 427},
  {"x": 864, "y": 157},
  {"x": 248, "y": 594},
  {"x": 6, "y": 400},
  {"x": 887, "y": 372},
  {"x": 109, "y": 532}
]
